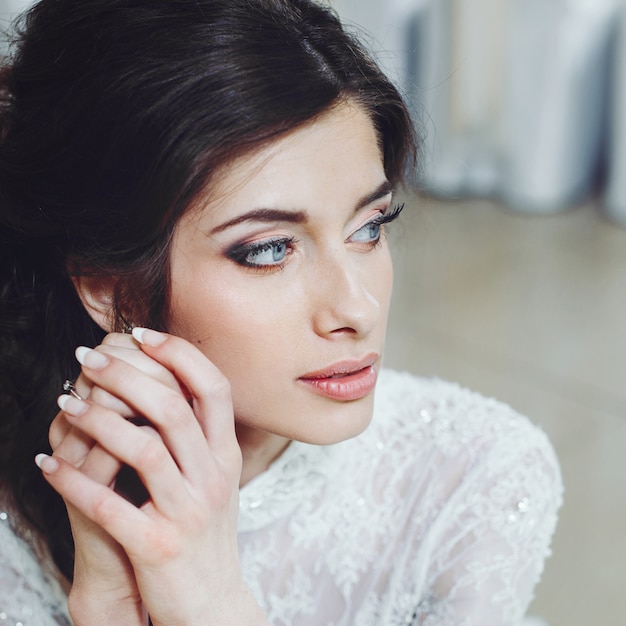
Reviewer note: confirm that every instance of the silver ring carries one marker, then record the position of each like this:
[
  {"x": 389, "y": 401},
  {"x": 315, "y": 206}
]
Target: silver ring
[{"x": 69, "y": 387}]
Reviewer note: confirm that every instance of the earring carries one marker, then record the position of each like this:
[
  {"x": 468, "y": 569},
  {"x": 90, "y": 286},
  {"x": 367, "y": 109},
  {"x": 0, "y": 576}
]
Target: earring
[
  {"x": 69, "y": 388},
  {"x": 127, "y": 327}
]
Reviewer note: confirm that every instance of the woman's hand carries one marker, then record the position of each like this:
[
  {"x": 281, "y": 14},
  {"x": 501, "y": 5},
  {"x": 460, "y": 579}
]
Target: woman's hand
[
  {"x": 182, "y": 542},
  {"x": 104, "y": 589}
]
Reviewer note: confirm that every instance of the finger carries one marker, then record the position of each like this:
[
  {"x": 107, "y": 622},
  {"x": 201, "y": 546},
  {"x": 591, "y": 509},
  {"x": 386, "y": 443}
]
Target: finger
[
  {"x": 165, "y": 408},
  {"x": 144, "y": 363},
  {"x": 97, "y": 502},
  {"x": 121, "y": 340},
  {"x": 59, "y": 428},
  {"x": 74, "y": 445},
  {"x": 81, "y": 451},
  {"x": 124, "y": 347},
  {"x": 100, "y": 465},
  {"x": 135, "y": 447},
  {"x": 209, "y": 388}
]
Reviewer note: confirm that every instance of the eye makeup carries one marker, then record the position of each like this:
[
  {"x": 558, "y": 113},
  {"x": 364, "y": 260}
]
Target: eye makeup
[
  {"x": 386, "y": 217},
  {"x": 264, "y": 254},
  {"x": 270, "y": 254},
  {"x": 369, "y": 234}
]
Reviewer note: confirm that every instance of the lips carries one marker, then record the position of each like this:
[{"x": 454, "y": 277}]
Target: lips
[{"x": 345, "y": 380}]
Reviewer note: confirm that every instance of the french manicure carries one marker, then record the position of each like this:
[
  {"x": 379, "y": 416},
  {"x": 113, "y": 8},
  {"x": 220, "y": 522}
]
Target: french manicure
[
  {"x": 71, "y": 405},
  {"x": 46, "y": 463},
  {"x": 148, "y": 337},
  {"x": 91, "y": 358}
]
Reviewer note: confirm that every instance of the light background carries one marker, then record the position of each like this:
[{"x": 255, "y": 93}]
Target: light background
[
  {"x": 528, "y": 303},
  {"x": 532, "y": 311}
]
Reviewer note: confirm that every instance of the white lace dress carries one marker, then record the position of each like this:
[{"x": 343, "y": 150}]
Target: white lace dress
[{"x": 440, "y": 514}]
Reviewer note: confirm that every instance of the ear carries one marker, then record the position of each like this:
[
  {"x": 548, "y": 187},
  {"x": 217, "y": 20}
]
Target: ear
[{"x": 96, "y": 294}]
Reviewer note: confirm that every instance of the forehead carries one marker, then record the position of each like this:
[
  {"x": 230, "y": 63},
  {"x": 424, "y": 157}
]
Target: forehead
[{"x": 337, "y": 153}]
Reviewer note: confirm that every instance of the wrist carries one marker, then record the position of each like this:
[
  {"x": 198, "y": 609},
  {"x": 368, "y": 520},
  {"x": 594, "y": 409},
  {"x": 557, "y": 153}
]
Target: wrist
[
  {"x": 88, "y": 607},
  {"x": 237, "y": 609}
]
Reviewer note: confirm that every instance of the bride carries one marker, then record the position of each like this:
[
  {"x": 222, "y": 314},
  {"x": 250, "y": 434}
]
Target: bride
[{"x": 195, "y": 282}]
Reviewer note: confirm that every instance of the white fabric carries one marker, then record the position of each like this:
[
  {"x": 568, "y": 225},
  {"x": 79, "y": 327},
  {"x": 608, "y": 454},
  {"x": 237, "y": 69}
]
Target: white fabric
[
  {"x": 439, "y": 514},
  {"x": 29, "y": 594}
]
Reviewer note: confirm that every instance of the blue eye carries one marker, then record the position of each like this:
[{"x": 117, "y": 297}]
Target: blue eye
[
  {"x": 269, "y": 253},
  {"x": 264, "y": 254},
  {"x": 368, "y": 233}
]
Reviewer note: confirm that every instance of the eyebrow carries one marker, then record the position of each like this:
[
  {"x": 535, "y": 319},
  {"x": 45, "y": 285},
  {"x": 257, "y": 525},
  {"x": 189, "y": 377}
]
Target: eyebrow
[{"x": 299, "y": 217}]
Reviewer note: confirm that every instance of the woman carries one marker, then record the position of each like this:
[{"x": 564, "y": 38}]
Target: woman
[{"x": 217, "y": 176}]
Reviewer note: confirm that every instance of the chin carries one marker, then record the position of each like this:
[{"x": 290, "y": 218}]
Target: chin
[
  {"x": 304, "y": 416},
  {"x": 335, "y": 423}
]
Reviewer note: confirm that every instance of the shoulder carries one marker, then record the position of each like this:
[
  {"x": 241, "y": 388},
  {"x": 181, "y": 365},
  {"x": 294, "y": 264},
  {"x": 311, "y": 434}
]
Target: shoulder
[
  {"x": 453, "y": 419},
  {"x": 481, "y": 485},
  {"x": 484, "y": 463},
  {"x": 471, "y": 446}
]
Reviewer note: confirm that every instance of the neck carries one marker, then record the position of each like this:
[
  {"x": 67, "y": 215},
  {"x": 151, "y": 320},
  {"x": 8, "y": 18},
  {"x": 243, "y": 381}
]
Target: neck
[{"x": 259, "y": 449}]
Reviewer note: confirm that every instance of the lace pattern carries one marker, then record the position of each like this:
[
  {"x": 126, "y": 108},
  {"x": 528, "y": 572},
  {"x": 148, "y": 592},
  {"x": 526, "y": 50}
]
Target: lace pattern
[
  {"x": 29, "y": 593},
  {"x": 440, "y": 514}
]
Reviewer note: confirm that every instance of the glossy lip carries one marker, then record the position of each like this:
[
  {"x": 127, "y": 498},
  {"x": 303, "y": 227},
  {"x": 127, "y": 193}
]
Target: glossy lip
[{"x": 345, "y": 380}]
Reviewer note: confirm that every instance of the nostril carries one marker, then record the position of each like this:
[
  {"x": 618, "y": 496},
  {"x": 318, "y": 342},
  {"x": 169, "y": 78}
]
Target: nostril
[{"x": 346, "y": 330}]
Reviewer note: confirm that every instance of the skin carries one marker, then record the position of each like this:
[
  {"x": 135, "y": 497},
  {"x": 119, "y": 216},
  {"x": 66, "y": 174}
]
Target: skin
[
  {"x": 264, "y": 328},
  {"x": 222, "y": 390}
]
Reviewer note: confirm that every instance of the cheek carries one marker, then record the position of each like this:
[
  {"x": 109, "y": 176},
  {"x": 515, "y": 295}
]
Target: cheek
[
  {"x": 232, "y": 320},
  {"x": 383, "y": 282}
]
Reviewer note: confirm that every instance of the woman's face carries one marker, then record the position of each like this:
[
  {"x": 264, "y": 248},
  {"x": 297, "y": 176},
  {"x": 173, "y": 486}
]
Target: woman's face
[{"x": 282, "y": 277}]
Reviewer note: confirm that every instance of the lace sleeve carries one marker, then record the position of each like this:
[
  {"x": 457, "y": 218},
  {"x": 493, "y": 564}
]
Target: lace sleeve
[
  {"x": 29, "y": 595},
  {"x": 494, "y": 534}
]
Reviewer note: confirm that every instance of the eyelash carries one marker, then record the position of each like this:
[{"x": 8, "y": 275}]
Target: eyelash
[
  {"x": 240, "y": 253},
  {"x": 386, "y": 218}
]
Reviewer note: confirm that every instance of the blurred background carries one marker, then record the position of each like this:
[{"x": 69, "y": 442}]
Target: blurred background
[
  {"x": 518, "y": 100},
  {"x": 511, "y": 265}
]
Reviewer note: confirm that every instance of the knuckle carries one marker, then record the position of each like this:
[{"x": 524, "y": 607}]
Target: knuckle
[
  {"x": 174, "y": 409},
  {"x": 163, "y": 545},
  {"x": 151, "y": 454},
  {"x": 100, "y": 396},
  {"x": 220, "y": 387},
  {"x": 220, "y": 494},
  {"x": 103, "y": 511},
  {"x": 106, "y": 400},
  {"x": 126, "y": 374}
]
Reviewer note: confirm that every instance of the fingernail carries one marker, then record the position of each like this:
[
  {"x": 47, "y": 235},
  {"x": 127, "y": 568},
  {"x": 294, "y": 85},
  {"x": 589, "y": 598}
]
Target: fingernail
[
  {"x": 71, "y": 405},
  {"x": 91, "y": 358},
  {"x": 46, "y": 463},
  {"x": 148, "y": 337}
]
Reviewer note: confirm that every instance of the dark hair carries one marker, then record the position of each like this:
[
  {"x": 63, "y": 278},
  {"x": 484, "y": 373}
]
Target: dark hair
[{"x": 115, "y": 115}]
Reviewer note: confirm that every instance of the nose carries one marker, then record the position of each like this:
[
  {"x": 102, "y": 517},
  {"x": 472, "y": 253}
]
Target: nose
[{"x": 346, "y": 302}]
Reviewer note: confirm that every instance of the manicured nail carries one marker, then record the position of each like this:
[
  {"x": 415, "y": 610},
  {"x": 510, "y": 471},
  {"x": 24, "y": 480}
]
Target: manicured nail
[
  {"x": 91, "y": 358},
  {"x": 46, "y": 463},
  {"x": 148, "y": 337},
  {"x": 72, "y": 405}
]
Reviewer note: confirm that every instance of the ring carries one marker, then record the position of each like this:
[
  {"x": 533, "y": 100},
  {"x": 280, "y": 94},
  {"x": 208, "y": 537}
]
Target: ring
[{"x": 69, "y": 387}]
